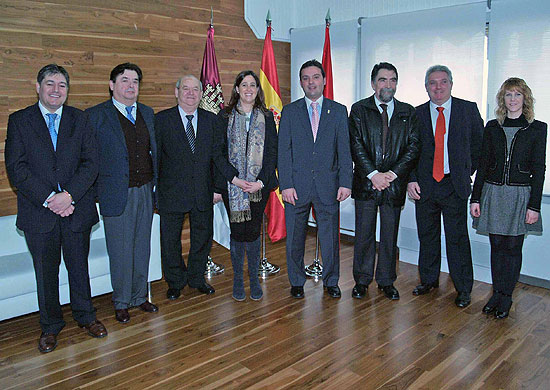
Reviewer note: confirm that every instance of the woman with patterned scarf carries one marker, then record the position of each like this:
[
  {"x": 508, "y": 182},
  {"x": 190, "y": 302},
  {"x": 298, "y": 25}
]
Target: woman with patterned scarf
[{"x": 250, "y": 145}]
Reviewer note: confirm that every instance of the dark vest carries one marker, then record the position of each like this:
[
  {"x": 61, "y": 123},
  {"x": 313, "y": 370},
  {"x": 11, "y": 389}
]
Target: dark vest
[{"x": 138, "y": 145}]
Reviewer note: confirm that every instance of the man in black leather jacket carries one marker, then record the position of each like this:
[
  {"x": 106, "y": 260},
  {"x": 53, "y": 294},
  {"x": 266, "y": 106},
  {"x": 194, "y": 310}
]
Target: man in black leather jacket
[{"x": 384, "y": 136}]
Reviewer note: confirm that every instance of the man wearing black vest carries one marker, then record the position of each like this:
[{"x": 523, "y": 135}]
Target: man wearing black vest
[{"x": 125, "y": 185}]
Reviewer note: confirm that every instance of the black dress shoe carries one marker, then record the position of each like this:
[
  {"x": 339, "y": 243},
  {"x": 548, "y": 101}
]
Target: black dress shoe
[
  {"x": 359, "y": 291},
  {"x": 173, "y": 293},
  {"x": 493, "y": 303},
  {"x": 333, "y": 291},
  {"x": 425, "y": 288},
  {"x": 297, "y": 291},
  {"x": 95, "y": 329},
  {"x": 148, "y": 307},
  {"x": 501, "y": 314},
  {"x": 205, "y": 288},
  {"x": 47, "y": 342},
  {"x": 503, "y": 308},
  {"x": 463, "y": 299},
  {"x": 487, "y": 309},
  {"x": 122, "y": 315},
  {"x": 390, "y": 292}
]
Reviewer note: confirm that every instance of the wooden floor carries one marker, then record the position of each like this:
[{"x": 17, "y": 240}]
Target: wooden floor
[{"x": 213, "y": 342}]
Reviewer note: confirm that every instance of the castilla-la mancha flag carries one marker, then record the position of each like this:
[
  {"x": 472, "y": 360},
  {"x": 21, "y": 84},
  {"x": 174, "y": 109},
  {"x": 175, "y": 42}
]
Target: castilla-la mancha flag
[
  {"x": 212, "y": 100},
  {"x": 212, "y": 97},
  {"x": 269, "y": 81}
]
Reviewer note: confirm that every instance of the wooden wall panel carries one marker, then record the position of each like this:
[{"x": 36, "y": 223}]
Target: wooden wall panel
[{"x": 166, "y": 38}]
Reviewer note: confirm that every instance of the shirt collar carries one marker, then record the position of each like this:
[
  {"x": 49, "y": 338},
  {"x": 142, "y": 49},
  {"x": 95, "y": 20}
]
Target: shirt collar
[
  {"x": 122, "y": 107},
  {"x": 44, "y": 111},
  {"x": 390, "y": 104},
  {"x": 309, "y": 101},
  {"x": 446, "y": 105},
  {"x": 184, "y": 114}
]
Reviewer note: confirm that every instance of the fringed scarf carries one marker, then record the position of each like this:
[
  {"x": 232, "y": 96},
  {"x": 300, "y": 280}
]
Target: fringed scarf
[{"x": 246, "y": 152}]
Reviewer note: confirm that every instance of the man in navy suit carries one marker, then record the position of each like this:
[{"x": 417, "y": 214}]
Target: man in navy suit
[
  {"x": 315, "y": 168},
  {"x": 188, "y": 147},
  {"x": 127, "y": 174},
  {"x": 450, "y": 139},
  {"x": 51, "y": 158}
]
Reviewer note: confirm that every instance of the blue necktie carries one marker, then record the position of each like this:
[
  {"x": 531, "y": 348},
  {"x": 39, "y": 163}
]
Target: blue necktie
[
  {"x": 129, "y": 114},
  {"x": 51, "y": 128},
  {"x": 190, "y": 132}
]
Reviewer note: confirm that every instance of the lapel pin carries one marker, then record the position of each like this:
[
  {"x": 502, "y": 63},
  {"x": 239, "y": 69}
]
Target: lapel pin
[{"x": 328, "y": 111}]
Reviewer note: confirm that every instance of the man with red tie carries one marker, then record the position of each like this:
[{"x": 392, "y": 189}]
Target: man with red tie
[{"x": 450, "y": 145}]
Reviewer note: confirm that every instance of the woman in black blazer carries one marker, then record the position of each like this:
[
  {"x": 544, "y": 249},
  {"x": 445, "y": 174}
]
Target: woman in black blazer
[
  {"x": 250, "y": 144},
  {"x": 507, "y": 191}
]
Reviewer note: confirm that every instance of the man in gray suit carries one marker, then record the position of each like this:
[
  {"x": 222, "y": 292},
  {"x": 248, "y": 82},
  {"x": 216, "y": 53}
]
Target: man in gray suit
[
  {"x": 315, "y": 169},
  {"x": 127, "y": 177}
]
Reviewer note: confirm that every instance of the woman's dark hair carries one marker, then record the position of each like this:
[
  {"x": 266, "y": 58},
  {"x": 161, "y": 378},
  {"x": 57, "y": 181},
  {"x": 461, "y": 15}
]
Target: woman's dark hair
[{"x": 234, "y": 100}]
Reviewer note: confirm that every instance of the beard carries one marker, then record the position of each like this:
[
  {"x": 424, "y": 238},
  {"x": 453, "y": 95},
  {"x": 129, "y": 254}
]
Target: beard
[{"x": 386, "y": 94}]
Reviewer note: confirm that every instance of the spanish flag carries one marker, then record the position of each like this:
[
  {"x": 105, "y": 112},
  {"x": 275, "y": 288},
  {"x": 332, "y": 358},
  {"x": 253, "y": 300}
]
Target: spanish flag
[{"x": 269, "y": 81}]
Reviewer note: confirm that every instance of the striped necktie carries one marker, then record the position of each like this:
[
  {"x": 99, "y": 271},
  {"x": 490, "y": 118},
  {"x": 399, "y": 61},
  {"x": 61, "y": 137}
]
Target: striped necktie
[{"x": 190, "y": 132}]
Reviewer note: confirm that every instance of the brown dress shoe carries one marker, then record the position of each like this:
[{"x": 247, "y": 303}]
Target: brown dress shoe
[
  {"x": 47, "y": 342},
  {"x": 122, "y": 315},
  {"x": 95, "y": 329},
  {"x": 148, "y": 307}
]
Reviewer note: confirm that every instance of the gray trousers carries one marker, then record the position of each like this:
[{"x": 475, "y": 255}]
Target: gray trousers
[
  {"x": 328, "y": 218},
  {"x": 128, "y": 238}
]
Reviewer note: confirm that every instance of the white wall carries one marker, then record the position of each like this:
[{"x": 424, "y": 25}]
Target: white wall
[{"x": 288, "y": 14}]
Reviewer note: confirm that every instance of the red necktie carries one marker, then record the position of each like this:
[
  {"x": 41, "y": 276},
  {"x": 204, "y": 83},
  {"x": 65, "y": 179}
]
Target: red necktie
[{"x": 439, "y": 146}]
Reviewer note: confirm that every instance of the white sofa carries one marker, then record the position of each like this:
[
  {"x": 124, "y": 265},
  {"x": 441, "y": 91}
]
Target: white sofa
[{"x": 17, "y": 278}]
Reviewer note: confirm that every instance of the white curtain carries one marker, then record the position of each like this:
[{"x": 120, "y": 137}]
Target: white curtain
[
  {"x": 307, "y": 43},
  {"x": 413, "y": 41},
  {"x": 519, "y": 46}
]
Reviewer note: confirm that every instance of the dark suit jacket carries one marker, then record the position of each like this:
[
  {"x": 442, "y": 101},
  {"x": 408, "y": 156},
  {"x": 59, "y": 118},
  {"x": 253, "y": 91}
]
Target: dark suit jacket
[
  {"x": 186, "y": 178},
  {"x": 269, "y": 162},
  {"x": 402, "y": 149},
  {"x": 113, "y": 178},
  {"x": 464, "y": 146},
  {"x": 327, "y": 160},
  {"x": 36, "y": 169}
]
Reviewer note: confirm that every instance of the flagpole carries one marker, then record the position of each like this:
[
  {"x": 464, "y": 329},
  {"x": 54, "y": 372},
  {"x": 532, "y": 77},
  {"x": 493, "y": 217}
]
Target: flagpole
[
  {"x": 269, "y": 81},
  {"x": 212, "y": 100},
  {"x": 315, "y": 269}
]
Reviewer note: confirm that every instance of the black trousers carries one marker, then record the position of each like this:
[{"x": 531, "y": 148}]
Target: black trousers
[
  {"x": 444, "y": 201},
  {"x": 366, "y": 212},
  {"x": 248, "y": 231},
  {"x": 176, "y": 274},
  {"x": 45, "y": 249},
  {"x": 506, "y": 261}
]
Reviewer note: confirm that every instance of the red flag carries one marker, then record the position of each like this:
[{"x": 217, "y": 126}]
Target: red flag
[
  {"x": 212, "y": 97},
  {"x": 269, "y": 80},
  {"x": 327, "y": 64}
]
